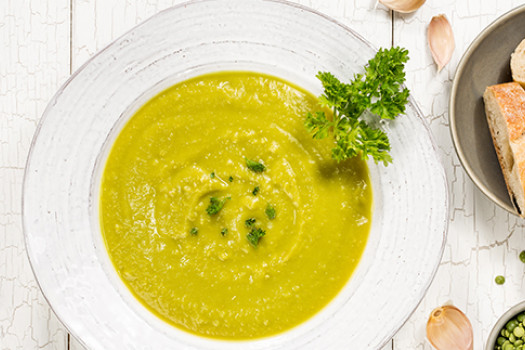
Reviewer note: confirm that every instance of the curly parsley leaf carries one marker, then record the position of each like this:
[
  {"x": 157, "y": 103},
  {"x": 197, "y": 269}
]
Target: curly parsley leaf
[
  {"x": 379, "y": 91},
  {"x": 318, "y": 125},
  {"x": 356, "y": 138}
]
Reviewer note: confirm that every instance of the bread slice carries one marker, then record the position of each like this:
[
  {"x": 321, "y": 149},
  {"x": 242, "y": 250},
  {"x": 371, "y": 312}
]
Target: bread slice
[
  {"x": 505, "y": 111},
  {"x": 517, "y": 64}
]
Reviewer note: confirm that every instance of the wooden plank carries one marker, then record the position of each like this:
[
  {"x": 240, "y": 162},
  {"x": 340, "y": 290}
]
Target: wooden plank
[
  {"x": 478, "y": 246},
  {"x": 34, "y": 58}
]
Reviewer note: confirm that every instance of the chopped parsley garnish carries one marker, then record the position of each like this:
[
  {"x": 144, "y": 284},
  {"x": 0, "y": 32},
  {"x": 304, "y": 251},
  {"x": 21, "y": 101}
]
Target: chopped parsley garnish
[
  {"x": 216, "y": 205},
  {"x": 255, "y": 190},
  {"x": 255, "y": 166},
  {"x": 379, "y": 92},
  {"x": 254, "y": 236},
  {"x": 224, "y": 231},
  {"x": 194, "y": 231},
  {"x": 230, "y": 179},
  {"x": 270, "y": 211},
  {"x": 250, "y": 222},
  {"x": 212, "y": 175}
]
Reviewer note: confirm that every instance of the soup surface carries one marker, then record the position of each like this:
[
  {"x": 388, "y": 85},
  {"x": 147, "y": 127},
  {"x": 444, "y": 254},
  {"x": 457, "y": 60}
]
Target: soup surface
[{"x": 223, "y": 216}]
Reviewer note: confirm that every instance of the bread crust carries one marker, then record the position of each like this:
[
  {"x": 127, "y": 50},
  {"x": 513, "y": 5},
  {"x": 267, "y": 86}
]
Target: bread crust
[
  {"x": 510, "y": 104},
  {"x": 511, "y": 100}
]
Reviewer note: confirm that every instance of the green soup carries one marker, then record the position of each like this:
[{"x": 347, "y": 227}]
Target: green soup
[{"x": 203, "y": 271}]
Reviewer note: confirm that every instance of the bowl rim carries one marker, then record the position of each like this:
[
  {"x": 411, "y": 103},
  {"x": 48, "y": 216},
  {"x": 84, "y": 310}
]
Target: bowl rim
[
  {"x": 500, "y": 323},
  {"x": 452, "y": 103},
  {"x": 183, "y": 4}
]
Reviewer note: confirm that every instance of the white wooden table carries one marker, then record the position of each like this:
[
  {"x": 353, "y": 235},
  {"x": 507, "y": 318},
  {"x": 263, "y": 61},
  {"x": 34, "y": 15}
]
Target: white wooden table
[{"x": 43, "y": 41}]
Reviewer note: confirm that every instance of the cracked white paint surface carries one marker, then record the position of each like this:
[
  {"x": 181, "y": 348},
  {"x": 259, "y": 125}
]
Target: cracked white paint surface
[
  {"x": 40, "y": 46},
  {"x": 483, "y": 240},
  {"x": 34, "y": 62}
]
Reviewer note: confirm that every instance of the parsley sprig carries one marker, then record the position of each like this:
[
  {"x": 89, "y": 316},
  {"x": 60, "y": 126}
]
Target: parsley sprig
[{"x": 379, "y": 91}]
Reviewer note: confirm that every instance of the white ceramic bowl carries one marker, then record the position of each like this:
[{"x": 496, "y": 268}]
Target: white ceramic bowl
[{"x": 63, "y": 172}]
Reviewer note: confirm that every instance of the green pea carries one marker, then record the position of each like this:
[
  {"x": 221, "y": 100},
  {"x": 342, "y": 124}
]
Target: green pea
[
  {"x": 521, "y": 317},
  {"x": 500, "y": 340},
  {"x": 522, "y": 256},
  {"x": 511, "y": 325},
  {"x": 499, "y": 279},
  {"x": 519, "y": 331},
  {"x": 518, "y": 342},
  {"x": 512, "y": 338},
  {"x": 508, "y": 346}
]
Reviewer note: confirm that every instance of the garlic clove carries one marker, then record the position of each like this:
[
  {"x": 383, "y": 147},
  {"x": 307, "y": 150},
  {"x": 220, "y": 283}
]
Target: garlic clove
[
  {"x": 441, "y": 40},
  {"x": 448, "y": 328},
  {"x": 403, "y": 6}
]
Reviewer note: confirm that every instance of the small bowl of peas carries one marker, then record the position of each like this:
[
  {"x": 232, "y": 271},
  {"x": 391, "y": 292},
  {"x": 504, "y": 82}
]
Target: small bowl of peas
[{"x": 509, "y": 331}]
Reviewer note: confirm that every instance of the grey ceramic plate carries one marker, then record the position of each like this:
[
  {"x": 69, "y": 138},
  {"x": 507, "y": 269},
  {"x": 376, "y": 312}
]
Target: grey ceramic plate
[{"x": 486, "y": 62}]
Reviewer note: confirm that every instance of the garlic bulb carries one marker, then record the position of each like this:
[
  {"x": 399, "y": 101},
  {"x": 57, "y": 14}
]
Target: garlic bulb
[
  {"x": 404, "y": 6},
  {"x": 441, "y": 40},
  {"x": 449, "y": 329}
]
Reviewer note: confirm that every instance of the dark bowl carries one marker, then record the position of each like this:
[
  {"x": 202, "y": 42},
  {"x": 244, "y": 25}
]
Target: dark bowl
[{"x": 486, "y": 62}]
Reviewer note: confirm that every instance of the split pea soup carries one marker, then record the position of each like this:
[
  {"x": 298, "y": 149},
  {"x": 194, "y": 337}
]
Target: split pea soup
[{"x": 223, "y": 216}]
